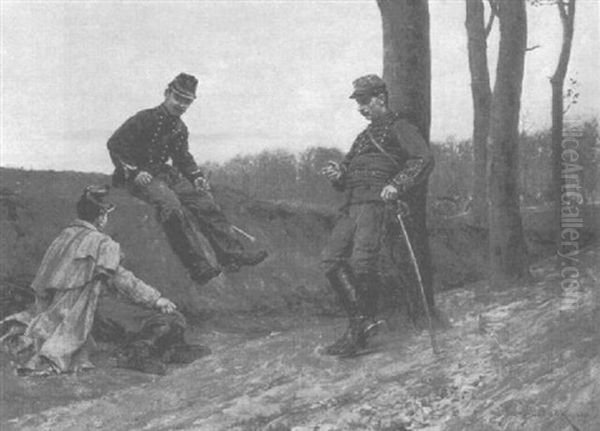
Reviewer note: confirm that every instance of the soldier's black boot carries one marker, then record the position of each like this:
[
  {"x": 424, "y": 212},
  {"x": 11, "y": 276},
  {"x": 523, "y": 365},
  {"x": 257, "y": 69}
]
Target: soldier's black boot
[
  {"x": 145, "y": 352},
  {"x": 354, "y": 338},
  {"x": 175, "y": 350},
  {"x": 335, "y": 284},
  {"x": 179, "y": 234},
  {"x": 141, "y": 356},
  {"x": 244, "y": 258},
  {"x": 369, "y": 285}
]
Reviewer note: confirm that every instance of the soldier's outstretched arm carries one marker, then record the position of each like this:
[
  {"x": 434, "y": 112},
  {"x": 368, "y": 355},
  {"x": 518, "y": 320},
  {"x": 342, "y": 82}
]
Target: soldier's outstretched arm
[{"x": 140, "y": 292}]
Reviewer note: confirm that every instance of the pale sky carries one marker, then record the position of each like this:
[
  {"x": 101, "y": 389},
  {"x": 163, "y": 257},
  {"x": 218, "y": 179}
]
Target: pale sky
[{"x": 273, "y": 74}]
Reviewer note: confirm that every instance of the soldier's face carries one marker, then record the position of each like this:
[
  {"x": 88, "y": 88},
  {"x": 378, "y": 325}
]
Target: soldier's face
[
  {"x": 102, "y": 221},
  {"x": 371, "y": 107},
  {"x": 175, "y": 104}
]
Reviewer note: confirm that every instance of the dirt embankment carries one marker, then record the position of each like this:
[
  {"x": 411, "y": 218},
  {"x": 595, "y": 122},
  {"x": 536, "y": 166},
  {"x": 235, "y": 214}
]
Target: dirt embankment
[{"x": 35, "y": 206}]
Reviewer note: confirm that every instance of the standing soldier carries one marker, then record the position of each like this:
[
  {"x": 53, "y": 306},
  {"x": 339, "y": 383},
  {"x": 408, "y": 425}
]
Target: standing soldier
[
  {"x": 386, "y": 162},
  {"x": 140, "y": 149}
]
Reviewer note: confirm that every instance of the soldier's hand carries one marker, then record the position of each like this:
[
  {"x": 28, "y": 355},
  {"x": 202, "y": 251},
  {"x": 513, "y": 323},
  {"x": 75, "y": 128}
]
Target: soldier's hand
[
  {"x": 332, "y": 171},
  {"x": 201, "y": 184},
  {"x": 402, "y": 208},
  {"x": 389, "y": 193},
  {"x": 165, "y": 305},
  {"x": 142, "y": 179}
]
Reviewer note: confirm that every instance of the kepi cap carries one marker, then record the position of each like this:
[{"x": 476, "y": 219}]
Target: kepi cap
[
  {"x": 184, "y": 85},
  {"x": 95, "y": 196},
  {"x": 368, "y": 85}
]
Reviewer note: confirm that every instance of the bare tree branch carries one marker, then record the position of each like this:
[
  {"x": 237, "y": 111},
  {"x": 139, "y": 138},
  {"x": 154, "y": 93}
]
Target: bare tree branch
[
  {"x": 494, "y": 6},
  {"x": 531, "y": 48},
  {"x": 562, "y": 9},
  {"x": 490, "y": 23}
]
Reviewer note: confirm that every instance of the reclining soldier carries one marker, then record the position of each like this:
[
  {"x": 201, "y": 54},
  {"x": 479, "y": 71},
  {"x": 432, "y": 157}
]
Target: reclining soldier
[{"x": 77, "y": 284}]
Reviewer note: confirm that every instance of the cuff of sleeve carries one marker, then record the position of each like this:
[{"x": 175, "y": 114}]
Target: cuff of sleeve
[
  {"x": 401, "y": 182},
  {"x": 130, "y": 171}
]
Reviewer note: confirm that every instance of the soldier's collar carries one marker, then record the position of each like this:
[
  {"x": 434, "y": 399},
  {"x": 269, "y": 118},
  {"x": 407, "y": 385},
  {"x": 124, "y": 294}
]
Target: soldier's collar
[
  {"x": 82, "y": 223},
  {"x": 162, "y": 111},
  {"x": 388, "y": 117}
]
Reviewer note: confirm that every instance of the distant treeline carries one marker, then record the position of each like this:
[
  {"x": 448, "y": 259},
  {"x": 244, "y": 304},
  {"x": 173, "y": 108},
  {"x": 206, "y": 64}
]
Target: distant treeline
[{"x": 281, "y": 175}]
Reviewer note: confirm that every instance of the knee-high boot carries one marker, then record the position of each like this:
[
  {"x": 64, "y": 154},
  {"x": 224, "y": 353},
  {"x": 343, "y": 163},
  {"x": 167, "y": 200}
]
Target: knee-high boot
[
  {"x": 175, "y": 350},
  {"x": 369, "y": 285},
  {"x": 143, "y": 353},
  {"x": 190, "y": 254},
  {"x": 354, "y": 338}
]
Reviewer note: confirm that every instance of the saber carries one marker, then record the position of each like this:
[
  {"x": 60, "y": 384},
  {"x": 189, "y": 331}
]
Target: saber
[
  {"x": 234, "y": 228},
  {"x": 420, "y": 280},
  {"x": 243, "y": 233}
]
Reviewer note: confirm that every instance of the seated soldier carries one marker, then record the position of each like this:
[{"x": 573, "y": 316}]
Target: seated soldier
[{"x": 76, "y": 283}]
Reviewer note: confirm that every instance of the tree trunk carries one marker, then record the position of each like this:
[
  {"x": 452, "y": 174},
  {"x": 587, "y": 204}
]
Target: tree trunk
[
  {"x": 567, "y": 14},
  {"x": 482, "y": 100},
  {"x": 407, "y": 58},
  {"x": 508, "y": 253},
  {"x": 407, "y": 73}
]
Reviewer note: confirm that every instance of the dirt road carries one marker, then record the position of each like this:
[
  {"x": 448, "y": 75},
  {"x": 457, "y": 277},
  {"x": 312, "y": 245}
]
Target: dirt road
[{"x": 523, "y": 359}]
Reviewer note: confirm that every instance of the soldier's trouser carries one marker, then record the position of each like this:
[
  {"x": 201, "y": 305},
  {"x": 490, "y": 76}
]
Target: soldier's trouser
[
  {"x": 356, "y": 239},
  {"x": 122, "y": 321},
  {"x": 353, "y": 252},
  {"x": 170, "y": 194}
]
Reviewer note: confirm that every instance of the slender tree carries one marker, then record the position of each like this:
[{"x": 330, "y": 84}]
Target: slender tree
[
  {"x": 477, "y": 33},
  {"x": 566, "y": 11},
  {"x": 407, "y": 73},
  {"x": 507, "y": 249}
]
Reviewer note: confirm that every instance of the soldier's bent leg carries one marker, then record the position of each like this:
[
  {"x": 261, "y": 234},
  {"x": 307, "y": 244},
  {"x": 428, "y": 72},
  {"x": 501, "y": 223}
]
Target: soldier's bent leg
[
  {"x": 213, "y": 224},
  {"x": 175, "y": 350},
  {"x": 139, "y": 331},
  {"x": 180, "y": 234}
]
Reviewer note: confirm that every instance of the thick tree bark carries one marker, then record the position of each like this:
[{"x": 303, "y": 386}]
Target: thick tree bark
[
  {"x": 567, "y": 15},
  {"x": 482, "y": 101},
  {"x": 508, "y": 253},
  {"x": 407, "y": 73}
]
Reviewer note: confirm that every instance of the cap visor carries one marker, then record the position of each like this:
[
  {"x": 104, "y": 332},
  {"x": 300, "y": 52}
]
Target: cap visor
[{"x": 182, "y": 94}]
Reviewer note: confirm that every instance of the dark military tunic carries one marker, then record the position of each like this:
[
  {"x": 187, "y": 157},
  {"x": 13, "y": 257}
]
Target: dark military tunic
[
  {"x": 367, "y": 170},
  {"x": 146, "y": 141},
  {"x": 405, "y": 162}
]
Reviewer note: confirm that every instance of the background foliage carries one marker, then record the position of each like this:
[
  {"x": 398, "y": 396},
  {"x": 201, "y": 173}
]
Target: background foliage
[{"x": 280, "y": 175}]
